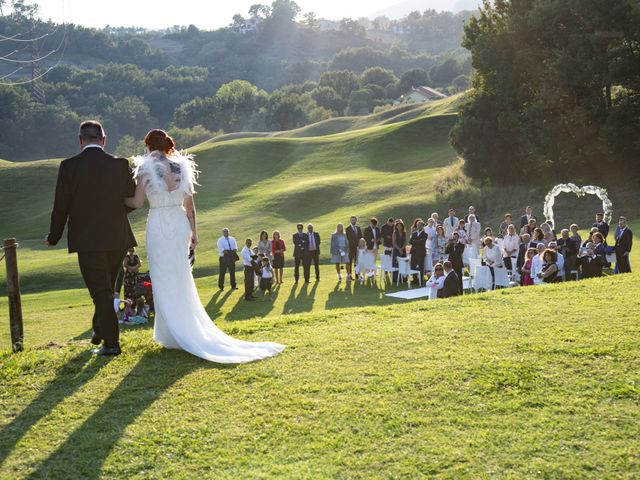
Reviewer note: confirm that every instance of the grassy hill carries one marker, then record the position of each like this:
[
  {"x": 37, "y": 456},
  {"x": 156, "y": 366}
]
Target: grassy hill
[{"x": 533, "y": 383}]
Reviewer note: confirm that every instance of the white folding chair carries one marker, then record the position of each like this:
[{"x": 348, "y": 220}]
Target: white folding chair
[
  {"x": 405, "y": 271},
  {"x": 502, "y": 277},
  {"x": 386, "y": 266},
  {"x": 481, "y": 278}
]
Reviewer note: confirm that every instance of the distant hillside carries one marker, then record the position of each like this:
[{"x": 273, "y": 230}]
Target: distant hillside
[{"x": 402, "y": 9}]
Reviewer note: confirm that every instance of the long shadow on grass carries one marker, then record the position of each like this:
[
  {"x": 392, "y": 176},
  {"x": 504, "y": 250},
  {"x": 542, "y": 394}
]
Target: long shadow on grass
[
  {"x": 69, "y": 378},
  {"x": 259, "y": 308},
  {"x": 356, "y": 295},
  {"x": 83, "y": 453},
  {"x": 303, "y": 301}
]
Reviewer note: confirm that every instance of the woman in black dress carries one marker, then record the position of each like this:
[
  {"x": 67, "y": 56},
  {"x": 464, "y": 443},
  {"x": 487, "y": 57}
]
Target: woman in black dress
[
  {"x": 132, "y": 266},
  {"x": 399, "y": 240}
]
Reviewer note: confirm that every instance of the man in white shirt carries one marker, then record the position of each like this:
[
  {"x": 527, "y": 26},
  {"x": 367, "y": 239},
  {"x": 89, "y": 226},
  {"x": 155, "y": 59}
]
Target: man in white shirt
[
  {"x": 492, "y": 256},
  {"x": 450, "y": 224},
  {"x": 248, "y": 258},
  {"x": 228, "y": 253},
  {"x": 511, "y": 246}
]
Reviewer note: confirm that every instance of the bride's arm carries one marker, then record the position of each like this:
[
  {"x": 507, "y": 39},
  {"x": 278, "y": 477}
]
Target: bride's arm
[
  {"x": 190, "y": 208},
  {"x": 137, "y": 201}
]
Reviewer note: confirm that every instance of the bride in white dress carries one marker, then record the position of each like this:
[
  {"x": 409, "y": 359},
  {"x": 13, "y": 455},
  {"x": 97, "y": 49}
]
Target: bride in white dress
[{"x": 166, "y": 178}]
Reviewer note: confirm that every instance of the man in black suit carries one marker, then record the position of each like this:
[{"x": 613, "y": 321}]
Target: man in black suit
[
  {"x": 528, "y": 215},
  {"x": 418, "y": 243},
  {"x": 624, "y": 242},
  {"x": 89, "y": 199},
  {"x": 568, "y": 247},
  {"x": 300, "y": 248},
  {"x": 451, "y": 282},
  {"x": 313, "y": 253},
  {"x": 386, "y": 232},
  {"x": 372, "y": 235},
  {"x": 455, "y": 250},
  {"x": 525, "y": 245},
  {"x": 354, "y": 234},
  {"x": 601, "y": 225},
  {"x": 591, "y": 264}
]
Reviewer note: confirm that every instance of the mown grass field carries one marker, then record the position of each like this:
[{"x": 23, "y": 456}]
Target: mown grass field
[{"x": 525, "y": 383}]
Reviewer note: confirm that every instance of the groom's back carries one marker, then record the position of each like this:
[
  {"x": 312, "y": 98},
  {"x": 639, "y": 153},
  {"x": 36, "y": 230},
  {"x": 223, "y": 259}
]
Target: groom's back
[{"x": 96, "y": 184}]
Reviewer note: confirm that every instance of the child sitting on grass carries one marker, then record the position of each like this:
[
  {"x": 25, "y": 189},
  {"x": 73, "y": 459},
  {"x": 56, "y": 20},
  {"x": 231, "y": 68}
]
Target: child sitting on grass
[{"x": 266, "y": 278}]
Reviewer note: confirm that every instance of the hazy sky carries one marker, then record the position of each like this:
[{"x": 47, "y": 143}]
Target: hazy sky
[{"x": 205, "y": 14}]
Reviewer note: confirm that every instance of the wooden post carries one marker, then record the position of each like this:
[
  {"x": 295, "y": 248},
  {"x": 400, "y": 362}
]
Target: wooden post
[{"x": 13, "y": 287}]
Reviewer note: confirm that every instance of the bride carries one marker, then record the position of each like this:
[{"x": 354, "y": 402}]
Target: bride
[{"x": 167, "y": 178}]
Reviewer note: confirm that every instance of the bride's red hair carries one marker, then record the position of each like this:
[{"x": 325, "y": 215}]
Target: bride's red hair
[{"x": 160, "y": 140}]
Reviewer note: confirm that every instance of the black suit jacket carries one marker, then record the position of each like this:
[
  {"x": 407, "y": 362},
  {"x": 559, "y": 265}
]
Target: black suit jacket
[
  {"x": 591, "y": 267},
  {"x": 525, "y": 221},
  {"x": 387, "y": 235},
  {"x": 368, "y": 236},
  {"x": 624, "y": 242},
  {"x": 455, "y": 253},
  {"x": 451, "y": 285},
  {"x": 90, "y": 194},
  {"x": 522, "y": 252},
  {"x": 300, "y": 244},
  {"x": 603, "y": 228},
  {"x": 353, "y": 237},
  {"x": 418, "y": 242}
]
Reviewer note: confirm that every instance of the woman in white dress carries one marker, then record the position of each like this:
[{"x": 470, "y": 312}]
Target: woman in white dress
[
  {"x": 473, "y": 237},
  {"x": 166, "y": 178}
]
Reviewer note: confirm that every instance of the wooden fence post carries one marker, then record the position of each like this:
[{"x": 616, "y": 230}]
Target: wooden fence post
[{"x": 13, "y": 286}]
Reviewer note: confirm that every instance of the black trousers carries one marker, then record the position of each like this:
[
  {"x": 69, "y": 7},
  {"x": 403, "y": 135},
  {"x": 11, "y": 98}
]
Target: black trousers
[
  {"x": 312, "y": 256},
  {"x": 623, "y": 264},
  {"x": 417, "y": 261},
  {"x": 460, "y": 282},
  {"x": 224, "y": 266},
  {"x": 99, "y": 271},
  {"x": 248, "y": 281},
  {"x": 301, "y": 260}
]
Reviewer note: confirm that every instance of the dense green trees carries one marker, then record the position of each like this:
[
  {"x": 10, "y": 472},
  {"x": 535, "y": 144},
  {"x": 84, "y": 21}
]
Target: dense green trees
[{"x": 556, "y": 89}]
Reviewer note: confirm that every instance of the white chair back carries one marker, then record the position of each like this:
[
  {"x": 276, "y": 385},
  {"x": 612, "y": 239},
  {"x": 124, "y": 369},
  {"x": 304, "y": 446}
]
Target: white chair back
[
  {"x": 502, "y": 277},
  {"x": 403, "y": 265},
  {"x": 473, "y": 264},
  {"x": 386, "y": 263}
]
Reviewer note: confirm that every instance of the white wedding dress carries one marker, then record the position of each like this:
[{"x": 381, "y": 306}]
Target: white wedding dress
[{"x": 181, "y": 321}]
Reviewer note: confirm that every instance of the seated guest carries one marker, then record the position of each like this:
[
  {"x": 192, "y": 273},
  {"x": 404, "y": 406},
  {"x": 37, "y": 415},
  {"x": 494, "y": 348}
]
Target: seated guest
[
  {"x": 436, "y": 282},
  {"x": 575, "y": 236},
  {"x": 536, "y": 263},
  {"x": 504, "y": 226},
  {"x": 589, "y": 239},
  {"x": 569, "y": 250},
  {"x": 451, "y": 281},
  {"x": 473, "y": 237},
  {"x": 527, "y": 279},
  {"x": 455, "y": 252},
  {"x": 599, "y": 248},
  {"x": 492, "y": 256},
  {"x": 559, "y": 260},
  {"x": 591, "y": 264},
  {"x": 549, "y": 272},
  {"x": 602, "y": 226},
  {"x": 510, "y": 246}
]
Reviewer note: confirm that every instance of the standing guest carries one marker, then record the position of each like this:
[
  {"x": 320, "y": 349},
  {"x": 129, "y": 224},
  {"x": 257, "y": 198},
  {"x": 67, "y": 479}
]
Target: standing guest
[
  {"x": 373, "y": 237},
  {"x": 550, "y": 271},
  {"x": 386, "y": 232},
  {"x": 418, "y": 243},
  {"x": 436, "y": 218},
  {"x": 599, "y": 248},
  {"x": 591, "y": 264},
  {"x": 511, "y": 247},
  {"x": 547, "y": 232},
  {"x": 450, "y": 223},
  {"x": 492, "y": 257},
  {"x": 504, "y": 226},
  {"x": 575, "y": 236},
  {"x": 569, "y": 250},
  {"x": 472, "y": 211},
  {"x": 439, "y": 245},
  {"x": 462, "y": 238},
  {"x": 525, "y": 245},
  {"x": 313, "y": 254},
  {"x": 339, "y": 249},
  {"x": 530, "y": 227},
  {"x": 131, "y": 266},
  {"x": 624, "y": 242},
  {"x": 451, "y": 282},
  {"x": 602, "y": 226},
  {"x": 559, "y": 259},
  {"x": 264, "y": 245},
  {"x": 228, "y": 253},
  {"x": 527, "y": 217},
  {"x": 430, "y": 230},
  {"x": 354, "y": 234},
  {"x": 248, "y": 262},
  {"x": 300, "y": 246},
  {"x": 436, "y": 282},
  {"x": 277, "y": 251},
  {"x": 536, "y": 263},
  {"x": 488, "y": 232},
  {"x": 527, "y": 280},
  {"x": 538, "y": 235},
  {"x": 399, "y": 244},
  {"x": 589, "y": 239},
  {"x": 414, "y": 225},
  {"x": 473, "y": 236},
  {"x": 455, "y": 251},
  {"x": 266, "y": 278}
]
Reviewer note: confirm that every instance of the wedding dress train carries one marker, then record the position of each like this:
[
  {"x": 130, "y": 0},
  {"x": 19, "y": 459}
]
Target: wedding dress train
[{"x": 181, "y": 321}]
